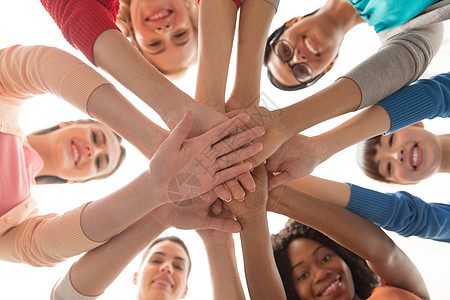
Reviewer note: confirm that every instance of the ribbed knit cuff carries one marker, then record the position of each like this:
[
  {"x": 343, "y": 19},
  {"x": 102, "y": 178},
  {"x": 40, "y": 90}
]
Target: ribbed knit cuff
[
  {"x": 408, "y": 106},
  {"x": 371, "y": 205},
  {"x": 71, "y": 234},
  {"x": 78, "y": 84},
  {"x": 64, "y": 290}
]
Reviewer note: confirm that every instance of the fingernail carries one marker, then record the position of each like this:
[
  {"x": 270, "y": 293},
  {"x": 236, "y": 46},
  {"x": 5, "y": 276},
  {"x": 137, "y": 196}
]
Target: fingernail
[{"x": 227, "y": 200}]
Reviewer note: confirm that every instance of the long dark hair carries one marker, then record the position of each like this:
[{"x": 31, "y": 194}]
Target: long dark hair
[{"x": 364, "y": 278}]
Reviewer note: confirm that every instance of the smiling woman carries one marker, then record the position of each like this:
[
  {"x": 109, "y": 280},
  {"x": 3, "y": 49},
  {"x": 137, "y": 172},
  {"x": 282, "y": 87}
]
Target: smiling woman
[
  {"x": 406, "y": 157},
  {"x": 164, "y": 31}
]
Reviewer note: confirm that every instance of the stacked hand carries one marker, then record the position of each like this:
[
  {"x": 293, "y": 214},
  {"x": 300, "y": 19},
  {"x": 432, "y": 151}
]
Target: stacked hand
[
  {"x": 186, "y": 168},
  {"x": 294, "y": 159}
]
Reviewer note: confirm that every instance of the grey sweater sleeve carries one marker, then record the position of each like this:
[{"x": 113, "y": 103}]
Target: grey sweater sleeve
[{"x": 399, "y": 62}]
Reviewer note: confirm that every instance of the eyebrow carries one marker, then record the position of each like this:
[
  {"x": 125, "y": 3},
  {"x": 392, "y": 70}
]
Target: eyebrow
[
  {"x": 301, "y": 262},
  {"x": 164, "y": 49}
]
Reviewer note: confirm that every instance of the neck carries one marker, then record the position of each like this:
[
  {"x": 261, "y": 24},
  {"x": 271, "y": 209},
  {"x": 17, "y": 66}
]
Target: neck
[
  {"x": 445, "y": 155},
  {"x": 40, "y": 144},
  {"x": 342, "y": 14}
]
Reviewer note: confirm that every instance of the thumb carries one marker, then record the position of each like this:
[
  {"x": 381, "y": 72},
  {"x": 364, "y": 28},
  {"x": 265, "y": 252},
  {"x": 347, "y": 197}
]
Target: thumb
[{"x": 179, "y": 134}]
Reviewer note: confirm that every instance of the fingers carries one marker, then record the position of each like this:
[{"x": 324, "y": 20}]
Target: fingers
[
  {"x": 230, "y": 173},
  {"x": 179, "y": 134},
  {"x": 217, "y": 207},
  {"x": 235, "y": 157},
  {"x": 208, "y": 196},
  {"x": 217, "y": 133},
  {"x": 235, "y": 141},
  {"x": 278, "y": 180},
  {"x": 247, "y": 181},
  {"x": 235, "y": 189},
  {"x": 222, "y": 224},
  {"x": 223, "y": 193}
]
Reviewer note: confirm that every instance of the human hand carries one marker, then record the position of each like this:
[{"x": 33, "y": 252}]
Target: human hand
[
  {"x": 236, "y": 102},
  {"x": 214, "y": 237},
  {"x": 294, "y": 159},
  {"x": 254, "y": 204},
  {"x": 274, "y": 135},
  {"x": 186, "y": 168},
  {"x": 194, "y": 214}
]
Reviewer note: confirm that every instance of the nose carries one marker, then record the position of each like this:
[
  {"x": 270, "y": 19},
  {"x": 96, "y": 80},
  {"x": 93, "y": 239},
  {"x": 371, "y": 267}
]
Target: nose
[
  {"x": 167, "y": 267},
  {"x": 298, "y": 56},
  {"x": 163, "y": 28},
  {"x": 397, "y": 154},
  {"x": 321, "y": 274},
  {"x": 91, "y": 150}
]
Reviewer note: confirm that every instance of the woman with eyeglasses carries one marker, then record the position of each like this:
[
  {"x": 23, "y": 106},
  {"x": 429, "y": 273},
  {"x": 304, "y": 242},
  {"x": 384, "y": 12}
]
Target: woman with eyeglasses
[{"x": 304, "y": 48}]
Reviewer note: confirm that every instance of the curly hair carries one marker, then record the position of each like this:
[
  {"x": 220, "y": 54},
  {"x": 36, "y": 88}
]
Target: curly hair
[{"x": 364, "y": 278}]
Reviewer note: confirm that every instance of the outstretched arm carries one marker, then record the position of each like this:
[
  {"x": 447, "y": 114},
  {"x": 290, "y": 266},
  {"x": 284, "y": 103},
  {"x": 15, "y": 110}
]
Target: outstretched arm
[
  {"x": 263, "y": 279},
  {"x": 98, "y": 268},
  {"x": 355, "y": 233},
  {"x": 254, "y": 22}
]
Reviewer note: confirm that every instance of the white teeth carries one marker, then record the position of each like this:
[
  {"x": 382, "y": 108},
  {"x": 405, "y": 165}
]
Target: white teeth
[
  {"x": 162, "y": 281},
  {"x": 76, "y": 155},
  {"x": 159, "y": 16},
  {"x": 415, "y": 156},
  {"x": 310, "y": 47},
  {"x": 330, "y": 288}
]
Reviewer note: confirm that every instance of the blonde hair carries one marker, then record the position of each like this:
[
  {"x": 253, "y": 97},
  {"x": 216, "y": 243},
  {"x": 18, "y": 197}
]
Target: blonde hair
[{"x": 124, "y": 21}]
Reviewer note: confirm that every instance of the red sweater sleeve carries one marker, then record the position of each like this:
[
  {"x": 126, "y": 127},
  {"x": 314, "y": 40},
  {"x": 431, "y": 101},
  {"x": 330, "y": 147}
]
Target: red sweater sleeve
[{"x": 82, "y": 21}]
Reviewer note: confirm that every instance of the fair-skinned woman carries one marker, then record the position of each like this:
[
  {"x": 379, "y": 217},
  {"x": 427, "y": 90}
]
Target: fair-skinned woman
[
  {"x": 407, "y": 156},
  {"x": 164, "y": 31},
  {"x": 45, "y": 240},
  {"x": 90, "y": 26}
]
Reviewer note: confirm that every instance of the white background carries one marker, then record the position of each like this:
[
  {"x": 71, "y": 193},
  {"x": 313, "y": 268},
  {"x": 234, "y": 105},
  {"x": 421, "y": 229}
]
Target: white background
[{"x": 26, "y": 22}]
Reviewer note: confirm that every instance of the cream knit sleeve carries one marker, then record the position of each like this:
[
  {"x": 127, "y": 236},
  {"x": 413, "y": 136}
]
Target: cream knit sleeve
[
  {"x": 64, "y": 290},
  {"x": 29, "y": 70}
]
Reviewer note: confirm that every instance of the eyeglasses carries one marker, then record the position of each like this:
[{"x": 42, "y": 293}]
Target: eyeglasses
[{"x": 284, "y": 50}]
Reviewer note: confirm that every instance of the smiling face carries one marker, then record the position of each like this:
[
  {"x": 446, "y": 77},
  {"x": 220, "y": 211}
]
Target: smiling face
[
  {"x": 408, "y": 155},
  {"x": 82, "y": 151},
  {"x": 164, "y": 33},
  {"x": 164, "y": 273},
  {"x": 314, "y": 43},
  {"x": 318, "y": 272}
]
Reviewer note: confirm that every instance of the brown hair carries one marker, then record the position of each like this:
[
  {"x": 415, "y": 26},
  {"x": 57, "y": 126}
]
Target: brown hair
[
  {"x": 364, "y": 278},
  {"x": 365, "y": 158},
  {"x": 47, "y": 179},
  {"x": 124, "y": 20},
  {"x": 171, "y": 238}
]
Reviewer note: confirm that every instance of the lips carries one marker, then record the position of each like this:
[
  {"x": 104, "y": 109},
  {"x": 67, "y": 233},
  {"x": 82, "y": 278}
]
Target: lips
[
  {"x": 76, "y": 153},
  {"x": 332, "y": 286},
  {"x": 415, "y": 156},
  {"x": 163, "y": 281},
  {"x": 159, "y": 15},
  {"x": 311, "y": 46}
]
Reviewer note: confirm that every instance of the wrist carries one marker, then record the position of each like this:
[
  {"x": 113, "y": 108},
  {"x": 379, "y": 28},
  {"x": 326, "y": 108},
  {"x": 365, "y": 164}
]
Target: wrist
[
  {"x": 156, "y": 223},
  {"x": 275, "y": 201},
  {"x": 252, "y": 218}
]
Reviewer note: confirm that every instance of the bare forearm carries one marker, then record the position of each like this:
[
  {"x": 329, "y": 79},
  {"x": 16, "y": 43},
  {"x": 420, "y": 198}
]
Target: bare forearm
[
  {"x": 369, "y": 123},
  {"x": 223, "y": 268},
  {"x": 263, "y": 279},
  {"x": 217, "y": 23},
  {"x": 254, "y": 22},
  {"x": 341, "y": 97},
  {"x": 336, "y": 193},
  {"x": 98, "y": 268},
  {"x": 110, "y": 107},
  {"x": 115, "y": 54},
  {"x": 104, "y": 218}
]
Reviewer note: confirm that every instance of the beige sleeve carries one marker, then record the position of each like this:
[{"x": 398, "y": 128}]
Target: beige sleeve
[
  {"x": 29, "y": 70},
  {"x": 46, "y": 240},
  {"x": 64, "y": 290}
]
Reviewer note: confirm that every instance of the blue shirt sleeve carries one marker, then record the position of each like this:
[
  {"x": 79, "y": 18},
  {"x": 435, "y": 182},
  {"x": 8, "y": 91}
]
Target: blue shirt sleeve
[
  {"x": 424, "y": 99},
  {"x": 402, "y": 212}
]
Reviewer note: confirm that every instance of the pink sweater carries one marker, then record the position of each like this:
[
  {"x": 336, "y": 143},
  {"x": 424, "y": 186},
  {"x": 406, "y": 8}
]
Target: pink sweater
[{"x": 26, "y": 236}]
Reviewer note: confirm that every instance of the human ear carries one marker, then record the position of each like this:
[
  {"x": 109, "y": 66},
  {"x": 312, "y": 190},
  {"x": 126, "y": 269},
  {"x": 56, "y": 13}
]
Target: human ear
[
  {"x": 65, "y": 124},
  {"x": 293, "y": 21},
  {"x": 330, "y": 65},
  {"x": 185, "y": 292},
  {"x": 419, "y": 124}
]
